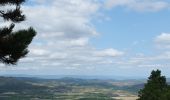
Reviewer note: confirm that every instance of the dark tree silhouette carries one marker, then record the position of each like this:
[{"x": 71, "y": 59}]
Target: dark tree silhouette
[
  {"x": 13, "y": 45},
  {"x": 156, "y": 88}
]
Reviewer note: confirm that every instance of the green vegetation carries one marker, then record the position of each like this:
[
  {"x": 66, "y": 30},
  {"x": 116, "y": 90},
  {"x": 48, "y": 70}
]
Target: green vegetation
[
  {"x": 13, "y": 45},
  {"x": 62, "y": 89},
  {"x": 156, "y": 88}
]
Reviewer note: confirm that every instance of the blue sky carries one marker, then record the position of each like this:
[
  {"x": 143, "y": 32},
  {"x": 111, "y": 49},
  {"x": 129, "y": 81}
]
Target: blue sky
[{"x": 126, "y": 38}]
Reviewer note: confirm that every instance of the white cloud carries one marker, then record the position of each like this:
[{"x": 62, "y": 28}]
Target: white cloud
[
  {"x": 139, "y": 5},
  {"x": 156, "y": 59},
  {"x": 109, "y": 52},
  {"x": 114, "y": 3},
  {"x": 64, "y": 30},
  {"x": 72, "y": 18},
  {"x": 163, "y": 40},
  {"x": 39, "y": 52},
  {"x": 80, "y": 42}
]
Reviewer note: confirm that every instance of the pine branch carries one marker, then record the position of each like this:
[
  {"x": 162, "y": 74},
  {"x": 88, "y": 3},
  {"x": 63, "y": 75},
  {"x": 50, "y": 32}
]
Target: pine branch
[
  {"x": 13, "y": 15},
  {"x": 6, "y": 31},
  {"x": 14, "y": 46},
  {"x": 13, "y": 2}
]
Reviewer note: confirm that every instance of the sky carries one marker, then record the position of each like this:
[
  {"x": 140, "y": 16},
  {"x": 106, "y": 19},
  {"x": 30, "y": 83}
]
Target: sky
[{"x": 127, "y": 38}]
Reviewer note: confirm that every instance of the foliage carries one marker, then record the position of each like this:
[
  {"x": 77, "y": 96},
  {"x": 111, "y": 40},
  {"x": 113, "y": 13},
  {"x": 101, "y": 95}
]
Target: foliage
[
  {"x": 13, "y": 45},
  {"x": 156, "y": 88}
]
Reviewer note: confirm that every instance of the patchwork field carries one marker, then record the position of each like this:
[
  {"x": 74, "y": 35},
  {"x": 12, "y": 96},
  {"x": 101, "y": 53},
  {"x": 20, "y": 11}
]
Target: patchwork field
[{"x": 66, "y": 89}]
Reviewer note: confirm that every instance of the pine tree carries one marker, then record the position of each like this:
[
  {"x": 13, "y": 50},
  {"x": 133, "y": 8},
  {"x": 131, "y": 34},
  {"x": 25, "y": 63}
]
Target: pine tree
[
  {"x": 156, "y": 88},
  {"x": 13, "y": 45}
]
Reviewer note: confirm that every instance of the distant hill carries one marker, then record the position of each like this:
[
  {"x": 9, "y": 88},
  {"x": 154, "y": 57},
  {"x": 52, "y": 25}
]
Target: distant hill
[
  {"x": 21, "y": 83},
  {"x": 21, "y": 88},
  {"x": 73, "y": 76},
  {"x": 17, "y": 85},
  {"x": 168, "y": 80},
  {"x": 27, "y": 88}
]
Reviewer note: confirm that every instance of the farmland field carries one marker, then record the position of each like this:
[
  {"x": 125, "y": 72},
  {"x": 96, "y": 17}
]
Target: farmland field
[{"x": 66, "y": 89}]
